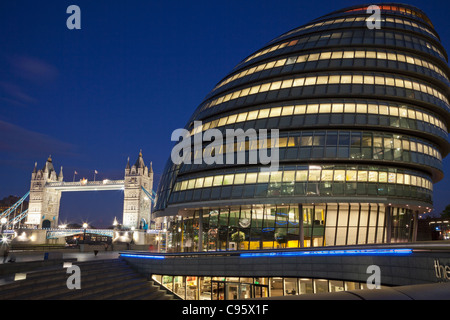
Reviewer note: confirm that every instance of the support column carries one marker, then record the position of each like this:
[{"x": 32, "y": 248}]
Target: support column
[
  {"x": 200, "y": 230},
  {"x": 415, "y": 226},
  {"x": 301, "y": 234},
  {"x": 388, "y": 226}
]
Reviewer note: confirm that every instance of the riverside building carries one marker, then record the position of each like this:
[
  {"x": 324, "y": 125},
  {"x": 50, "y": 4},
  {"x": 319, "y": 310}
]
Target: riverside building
[{"x": 362, "y": 116}]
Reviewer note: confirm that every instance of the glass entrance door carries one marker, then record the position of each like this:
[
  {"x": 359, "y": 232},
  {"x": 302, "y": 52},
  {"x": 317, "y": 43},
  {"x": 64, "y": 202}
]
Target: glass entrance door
[
  {"x": 232, "y": 291},
  {"x": 218, "y": 290},
  {"x": 222, "y": 290},
  {"x": 260, "y": 291}
]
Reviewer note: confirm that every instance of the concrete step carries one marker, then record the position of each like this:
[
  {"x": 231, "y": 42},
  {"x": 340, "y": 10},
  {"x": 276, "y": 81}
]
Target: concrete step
[
  {"x": 45, "y": 283},
  {"x": 100, "y": 280},
  {"x": 58, "y": 290},
  {"x": 102, "y": 289},
  {"x": 127, "y": 291}
]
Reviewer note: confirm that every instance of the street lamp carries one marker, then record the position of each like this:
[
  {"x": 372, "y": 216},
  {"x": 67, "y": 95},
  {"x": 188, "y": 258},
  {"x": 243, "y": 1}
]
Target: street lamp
[
  {"x": 3, "y": 222},
  {"x": 132, "y": 235},
  {"x": 85, "y": 225}
]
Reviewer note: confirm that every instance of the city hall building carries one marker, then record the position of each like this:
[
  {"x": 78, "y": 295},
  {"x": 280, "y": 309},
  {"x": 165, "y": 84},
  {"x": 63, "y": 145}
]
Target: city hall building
[{"x": 358, "y": 116}]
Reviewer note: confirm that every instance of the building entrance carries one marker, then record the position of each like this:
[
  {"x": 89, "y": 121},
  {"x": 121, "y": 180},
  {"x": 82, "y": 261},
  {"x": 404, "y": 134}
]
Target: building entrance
[{"x": 225, "y": 290}]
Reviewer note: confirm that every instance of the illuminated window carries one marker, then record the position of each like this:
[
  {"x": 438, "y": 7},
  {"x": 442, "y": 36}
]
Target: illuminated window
[
  {"x": 263, "y": 177},
  {"x": 358, "y": 79},
  {"x": 314, "y": 175},
  {"x": 264, "y": 113},
  {"x": 287, "y": 83},
  {"x": 251, "y": 178},
  {"x": 339, "y": 175},
  {"x": 337, "y": 55},
  {"x": 350, "y": 108},
  {"x": 218, "y": 180},
  {"x": 252, "y": 115},
  {"x": 300, "y": 109},
  {"x": 360, "y": 54},
  {"x": 391, "y": 177},
  {"x": 301, "y": 175},
  {"x": 362, "y": 176},
  {"x": 239, "y": 178},
  {"x": 346, "y": 79},
  {"x": 334, "y": 79},
  {"x": 325, "y": 108},
  {"x": 298, "y": 82},
  {"x": 275, "y": 112},
  {"x": 289, "y": 176},
  {"x": 322, "y": 80},
  {"x": 191, "y": 184},
  {"x": 313, "y": 108},
  {"x": 208, "y": 182},
  {"x": 199, "y": 183},
  {"x": 327, "y": 175},
  {"x": 287, "y": 111},
  {"x": 369, "y": 80}
]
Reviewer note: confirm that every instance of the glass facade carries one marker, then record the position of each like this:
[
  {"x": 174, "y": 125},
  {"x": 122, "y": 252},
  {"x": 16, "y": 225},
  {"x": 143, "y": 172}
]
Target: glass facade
[
  {"x": 287, "y": 226},
  {"x": 362, "y": 116},
  {"x": 238, "y": 288}
]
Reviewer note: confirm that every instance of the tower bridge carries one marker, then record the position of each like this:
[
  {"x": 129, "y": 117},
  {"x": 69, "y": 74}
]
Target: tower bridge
[{"x": 47, "y": 187}]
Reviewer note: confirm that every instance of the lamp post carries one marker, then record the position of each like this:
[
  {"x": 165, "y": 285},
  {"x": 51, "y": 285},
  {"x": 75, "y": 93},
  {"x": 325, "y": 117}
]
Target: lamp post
[
  {"x": 3, "y": 222},
  {"x": 85, "y": 225},
  {"x": 132, "y": 236},
  {"x": 157, "y": 242}
]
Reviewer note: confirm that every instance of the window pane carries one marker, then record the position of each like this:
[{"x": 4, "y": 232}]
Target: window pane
[
  {"x": 302, "y": 175},
  {"x": 228, "y": 179},
  {"x": 239, "y": 178},
  {"x": 218, "y": 180},
  {"x": 314, "y": 175}
]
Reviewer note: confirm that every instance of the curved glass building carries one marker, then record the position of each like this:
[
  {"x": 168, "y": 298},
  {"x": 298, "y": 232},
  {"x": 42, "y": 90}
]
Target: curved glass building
[{"x": 358, "y": 117}]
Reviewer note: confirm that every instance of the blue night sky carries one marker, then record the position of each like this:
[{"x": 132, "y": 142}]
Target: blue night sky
[{"x": 135, "y": 72}]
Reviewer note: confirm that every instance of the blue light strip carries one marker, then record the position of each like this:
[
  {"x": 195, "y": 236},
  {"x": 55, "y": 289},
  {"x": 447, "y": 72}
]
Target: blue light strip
[
  {"x": 345, "y": 252},
  {"x": 141, "y": 256},
  {"x": 356, "y": 252}
]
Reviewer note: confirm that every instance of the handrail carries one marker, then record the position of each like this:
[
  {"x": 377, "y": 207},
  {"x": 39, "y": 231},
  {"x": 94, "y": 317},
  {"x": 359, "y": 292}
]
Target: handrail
[
  {"x": 87, "y": 183},
  {"x": 415, "y": 247}
]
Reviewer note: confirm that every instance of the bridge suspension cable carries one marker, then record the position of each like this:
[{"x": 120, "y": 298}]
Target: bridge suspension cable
[
  {"x": 7, "y": 212},
  {"x": 151, "y": 196},
  {"x": 18, "y": 218}
]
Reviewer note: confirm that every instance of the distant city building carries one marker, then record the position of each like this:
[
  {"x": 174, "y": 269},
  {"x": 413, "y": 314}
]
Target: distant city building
[
  {"x": 8, "y": 202},
  {"x": 433, "y": 229}
]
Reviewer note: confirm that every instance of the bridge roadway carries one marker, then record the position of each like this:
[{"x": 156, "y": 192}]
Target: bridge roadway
[
  {"x": 87, "y": 185},
  {"x": 400, "y": 264}
]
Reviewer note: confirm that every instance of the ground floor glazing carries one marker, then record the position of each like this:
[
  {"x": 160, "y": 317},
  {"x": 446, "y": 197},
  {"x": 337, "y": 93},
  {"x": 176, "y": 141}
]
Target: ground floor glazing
[
  {"x": 285, "y": 226},
  {"x": 238, "y": 288}
]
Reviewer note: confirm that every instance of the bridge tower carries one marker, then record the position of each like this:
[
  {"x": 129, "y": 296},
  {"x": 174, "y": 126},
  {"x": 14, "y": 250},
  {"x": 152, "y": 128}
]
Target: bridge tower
[
  {"x": 43, "y": 207},
  {"x": 137, "y": 205}
]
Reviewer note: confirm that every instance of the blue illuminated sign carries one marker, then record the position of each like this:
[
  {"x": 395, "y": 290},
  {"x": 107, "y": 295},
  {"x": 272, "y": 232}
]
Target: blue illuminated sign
[
  {"x": 140, "y": 256},
  {"x": 349, "y": 252}
]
